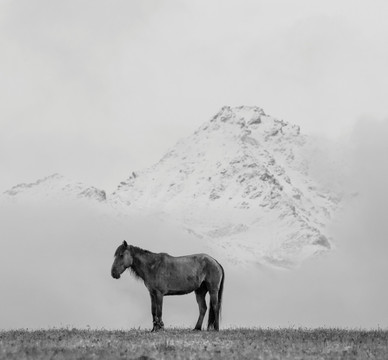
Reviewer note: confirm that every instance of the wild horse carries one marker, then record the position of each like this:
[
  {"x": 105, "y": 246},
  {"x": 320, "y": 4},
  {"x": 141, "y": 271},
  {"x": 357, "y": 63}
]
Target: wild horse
[{"x": 168, "y": 275}]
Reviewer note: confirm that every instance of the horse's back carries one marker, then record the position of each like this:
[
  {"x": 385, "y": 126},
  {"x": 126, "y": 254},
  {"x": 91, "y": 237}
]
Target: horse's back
[
  {"x": 201, "y": 259},
  {"x": 202, "y": 265},
  {"x": 194, "y": 261},
  {"x": 195, "y": 268}
]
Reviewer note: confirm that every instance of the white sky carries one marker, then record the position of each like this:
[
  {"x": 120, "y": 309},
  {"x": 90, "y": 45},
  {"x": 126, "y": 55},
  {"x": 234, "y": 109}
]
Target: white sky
[{"x": 97, "y": 89}]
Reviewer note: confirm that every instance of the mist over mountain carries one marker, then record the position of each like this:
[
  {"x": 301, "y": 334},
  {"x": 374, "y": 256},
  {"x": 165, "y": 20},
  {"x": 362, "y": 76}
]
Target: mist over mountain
[
  {"x": 57, "y": 251},
  {"x": 244, "y": 182}
]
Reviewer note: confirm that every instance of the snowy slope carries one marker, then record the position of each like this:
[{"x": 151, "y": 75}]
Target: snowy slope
[
  {"x": 55, "y": 186},
  {"x": 241, "y": 181}
]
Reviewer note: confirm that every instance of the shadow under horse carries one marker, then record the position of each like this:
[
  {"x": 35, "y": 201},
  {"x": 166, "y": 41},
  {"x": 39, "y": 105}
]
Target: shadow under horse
[{"x": 168, "y": 275}]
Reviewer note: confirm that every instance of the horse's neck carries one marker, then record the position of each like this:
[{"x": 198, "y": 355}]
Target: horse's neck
[{"x": 141, "y": 264}]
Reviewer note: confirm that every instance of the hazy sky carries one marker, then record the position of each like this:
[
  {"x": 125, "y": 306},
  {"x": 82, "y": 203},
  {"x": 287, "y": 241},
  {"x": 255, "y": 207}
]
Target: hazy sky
[{"x": 97, "y": 89}]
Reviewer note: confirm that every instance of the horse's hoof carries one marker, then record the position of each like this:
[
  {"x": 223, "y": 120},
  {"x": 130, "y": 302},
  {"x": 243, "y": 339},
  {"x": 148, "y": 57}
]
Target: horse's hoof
[
  {"x": 196, "y": 329},
  {"x": 157, "y": 328}
]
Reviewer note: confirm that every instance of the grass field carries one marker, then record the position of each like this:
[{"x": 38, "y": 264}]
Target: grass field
[{"x": 186, "y": 344}]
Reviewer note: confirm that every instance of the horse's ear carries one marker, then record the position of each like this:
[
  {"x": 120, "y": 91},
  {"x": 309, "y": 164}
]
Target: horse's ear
[{"x": 125, "y": 243}]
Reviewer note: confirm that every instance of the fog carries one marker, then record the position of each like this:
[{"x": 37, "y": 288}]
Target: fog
[{"x": 56, "y": 258}]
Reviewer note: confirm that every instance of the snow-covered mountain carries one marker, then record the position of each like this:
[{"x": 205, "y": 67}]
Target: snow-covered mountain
[{"x": 242, "y": 182}]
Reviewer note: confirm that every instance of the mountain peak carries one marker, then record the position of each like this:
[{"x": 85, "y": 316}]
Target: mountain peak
[
  {"x": 241, "y": 114},
  {"x": 246, "y": 120}
]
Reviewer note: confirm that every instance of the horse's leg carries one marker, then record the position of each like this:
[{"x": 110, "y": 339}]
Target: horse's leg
[
  {"x": 153, "y": 310},
  {"x": 159, "y": 309},
  {"x": 200, "y": 296},
  {"x": 157, "y": 304},
  {"x": 214, "y": 320}
]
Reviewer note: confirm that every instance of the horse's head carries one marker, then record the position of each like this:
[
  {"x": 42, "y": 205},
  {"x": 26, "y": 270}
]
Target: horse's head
[{"x": 123, "y": 260}]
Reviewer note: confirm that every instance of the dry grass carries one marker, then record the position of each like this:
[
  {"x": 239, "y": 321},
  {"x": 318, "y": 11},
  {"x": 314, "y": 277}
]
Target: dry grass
[{"x": 186, "y": 344}]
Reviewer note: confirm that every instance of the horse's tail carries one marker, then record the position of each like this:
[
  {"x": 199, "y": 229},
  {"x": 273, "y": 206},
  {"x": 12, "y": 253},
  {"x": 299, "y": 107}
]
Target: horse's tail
[
  {"x": 212, "y": 313},
  {"x": 220, "y": 292}
]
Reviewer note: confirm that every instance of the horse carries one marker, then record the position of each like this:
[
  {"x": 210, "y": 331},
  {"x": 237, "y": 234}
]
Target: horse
[{"x": 164, "y": 275}]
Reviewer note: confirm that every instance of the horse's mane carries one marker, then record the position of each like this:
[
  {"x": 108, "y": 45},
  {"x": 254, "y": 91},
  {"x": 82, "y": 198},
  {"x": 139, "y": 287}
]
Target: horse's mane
[{"x": 135, "y": 250}]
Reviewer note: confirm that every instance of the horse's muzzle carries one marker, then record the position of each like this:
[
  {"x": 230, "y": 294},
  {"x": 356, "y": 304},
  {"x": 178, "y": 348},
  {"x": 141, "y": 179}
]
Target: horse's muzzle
[{"x": 115, "y": 275}]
